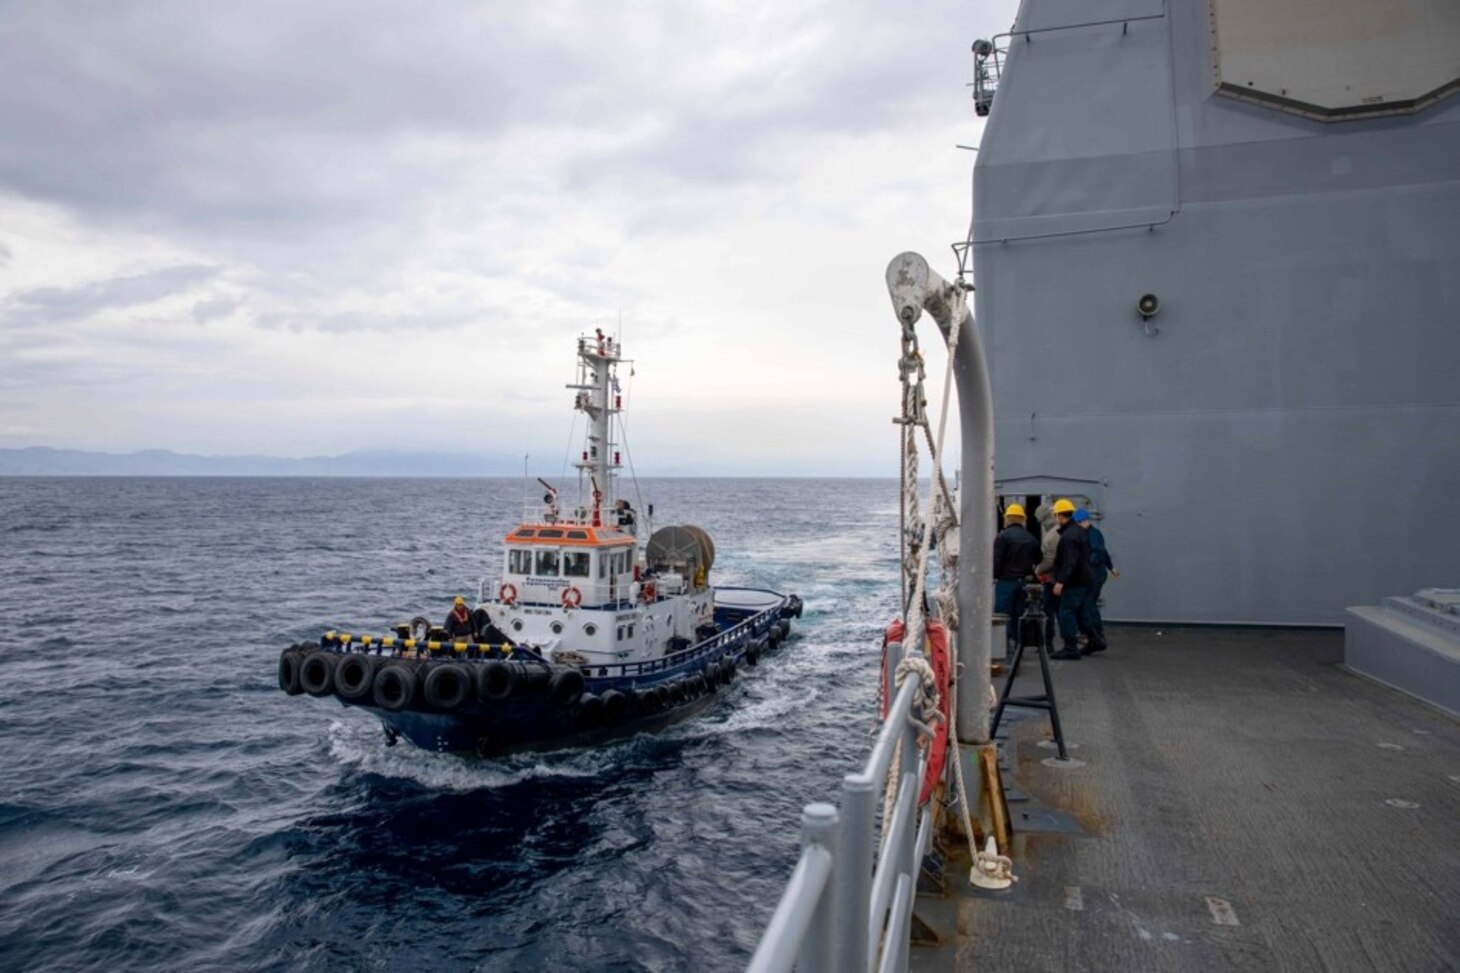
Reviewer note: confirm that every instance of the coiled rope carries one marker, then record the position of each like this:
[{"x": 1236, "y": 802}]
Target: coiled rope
[{"x": 925, "y": 714}]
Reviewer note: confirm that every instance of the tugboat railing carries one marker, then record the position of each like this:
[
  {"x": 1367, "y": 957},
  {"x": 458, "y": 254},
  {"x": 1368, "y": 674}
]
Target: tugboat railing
[{"x": 838, "y": 913}]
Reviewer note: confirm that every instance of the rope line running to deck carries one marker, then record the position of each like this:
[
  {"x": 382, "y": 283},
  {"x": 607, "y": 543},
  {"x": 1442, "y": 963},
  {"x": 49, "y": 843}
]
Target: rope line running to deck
[{"x": 918, "y": 532}]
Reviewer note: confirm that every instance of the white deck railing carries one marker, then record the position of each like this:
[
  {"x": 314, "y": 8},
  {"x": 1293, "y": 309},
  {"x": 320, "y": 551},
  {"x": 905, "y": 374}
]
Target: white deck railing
[{"x": 838, "y": 914}]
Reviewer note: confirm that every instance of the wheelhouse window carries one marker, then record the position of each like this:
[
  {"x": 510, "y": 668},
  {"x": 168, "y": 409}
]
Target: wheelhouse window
[
  {"x": 519, "y": 562},
  {"x": 547, "y": 564},
  {"x": 575, "y": 564}
]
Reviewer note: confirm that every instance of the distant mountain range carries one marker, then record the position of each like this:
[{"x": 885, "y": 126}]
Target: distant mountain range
[{"x": 45, "y": 461}]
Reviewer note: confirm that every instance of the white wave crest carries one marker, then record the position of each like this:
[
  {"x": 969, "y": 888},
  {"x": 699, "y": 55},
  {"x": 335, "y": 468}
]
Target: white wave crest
[{"x": 362, "y": 749}]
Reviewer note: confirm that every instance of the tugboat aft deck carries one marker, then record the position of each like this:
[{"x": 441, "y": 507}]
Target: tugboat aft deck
[{"x": 1245, "y": 804}]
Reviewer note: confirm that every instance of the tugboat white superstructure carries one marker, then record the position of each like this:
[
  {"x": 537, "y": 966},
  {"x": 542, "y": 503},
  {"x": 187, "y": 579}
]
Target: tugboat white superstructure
[{"x": 585, "y": 634}]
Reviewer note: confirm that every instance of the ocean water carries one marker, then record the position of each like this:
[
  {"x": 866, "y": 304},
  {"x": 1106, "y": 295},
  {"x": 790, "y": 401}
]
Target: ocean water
[{"x": 163, "y": 806}]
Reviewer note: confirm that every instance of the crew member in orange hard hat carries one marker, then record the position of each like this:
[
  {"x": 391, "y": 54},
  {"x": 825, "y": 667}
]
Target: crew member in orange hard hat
[
  {"x": 458, "y": 623},
  {"x": 1016, "y": 552}
]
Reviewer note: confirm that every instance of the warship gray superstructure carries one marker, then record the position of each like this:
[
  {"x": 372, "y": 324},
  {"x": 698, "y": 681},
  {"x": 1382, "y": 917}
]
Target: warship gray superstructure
[{"x": 1274, "y": 434}]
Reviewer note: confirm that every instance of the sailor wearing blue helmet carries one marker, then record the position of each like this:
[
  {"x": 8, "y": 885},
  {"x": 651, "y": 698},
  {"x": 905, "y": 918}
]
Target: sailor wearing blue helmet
[{"x": 1102, "y": 568}]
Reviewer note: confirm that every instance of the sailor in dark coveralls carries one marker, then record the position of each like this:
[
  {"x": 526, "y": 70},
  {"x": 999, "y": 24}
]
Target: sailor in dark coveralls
[
  {"x": 1102, "y": 566},
  {"x": 458, "y": 623},
  {"x": 1072, "y": 579},
  {"x": 1016, "y": 552}
]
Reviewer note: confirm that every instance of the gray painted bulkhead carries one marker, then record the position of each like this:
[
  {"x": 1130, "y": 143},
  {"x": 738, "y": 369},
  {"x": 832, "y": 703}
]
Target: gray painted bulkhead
[{"x": 1287, "y": 442}]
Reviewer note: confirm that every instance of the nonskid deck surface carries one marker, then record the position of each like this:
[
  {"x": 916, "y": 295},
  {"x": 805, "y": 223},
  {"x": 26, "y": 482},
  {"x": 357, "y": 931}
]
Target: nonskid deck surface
[{"x": 1248, "y": 805}]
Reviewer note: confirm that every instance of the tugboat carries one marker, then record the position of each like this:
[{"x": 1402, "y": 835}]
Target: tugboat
[{"x": 585, "y": 635}]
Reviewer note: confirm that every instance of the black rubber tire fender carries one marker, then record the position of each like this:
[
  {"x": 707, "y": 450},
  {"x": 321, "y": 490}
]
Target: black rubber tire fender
[
  {"x": 615, "y": 707},
  {"x": 447, "y": 686},
  {"x": 317, "y": 672},
  {"x": 566, "y": 686},
  {"x": 289, "y": 661},
  {"x": 773, "y": 635},
  {"x": 531, "y": 677},
  {"x": 752, "y": 653},
  {"x": 354, "y": 676},
  {"x": 395, "y": 687},
  {"x": 496, "y": 681},
  {"x": 590, "y": 708}
]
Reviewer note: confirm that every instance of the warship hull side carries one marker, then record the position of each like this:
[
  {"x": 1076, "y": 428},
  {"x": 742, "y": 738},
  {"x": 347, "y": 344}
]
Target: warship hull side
[{"x": 1282, "y": 438}]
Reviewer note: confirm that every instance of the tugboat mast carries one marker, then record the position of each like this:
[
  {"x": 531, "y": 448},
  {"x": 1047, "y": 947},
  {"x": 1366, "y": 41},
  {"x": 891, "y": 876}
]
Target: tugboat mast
[{"x": 599, "y": 399}]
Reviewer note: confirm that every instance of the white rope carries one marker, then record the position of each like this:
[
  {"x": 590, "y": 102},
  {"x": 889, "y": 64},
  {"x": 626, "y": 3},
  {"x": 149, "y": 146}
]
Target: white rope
[
  {"x": 918, "y": 534},
  {"x": 991, "y": 869},
  {"x": 924, "y": 713},
  {"x": 944, "y": 518},
  {"x": 925, "y": 700}
]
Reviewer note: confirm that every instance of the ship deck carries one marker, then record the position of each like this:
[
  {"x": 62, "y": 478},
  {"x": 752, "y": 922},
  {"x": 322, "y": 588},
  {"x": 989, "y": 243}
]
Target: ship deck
[{"x": 1245, "y": 803}]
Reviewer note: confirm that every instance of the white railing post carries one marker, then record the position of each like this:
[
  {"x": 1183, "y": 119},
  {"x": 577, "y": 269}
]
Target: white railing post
[
  {"x": 819, "y": 826},
  {"x": 901, "y": 848},
  {"x": 853, "y": 891},
  {"x": 800, "y": 927}
]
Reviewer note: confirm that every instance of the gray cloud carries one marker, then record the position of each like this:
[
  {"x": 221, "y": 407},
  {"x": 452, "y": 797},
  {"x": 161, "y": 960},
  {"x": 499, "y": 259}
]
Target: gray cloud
[
  {"x": 386, "y": 184},
  {"x": 218, "y": 307},
  {"x": 58, "y": 305},
  {"x": 264, "y": 114}
]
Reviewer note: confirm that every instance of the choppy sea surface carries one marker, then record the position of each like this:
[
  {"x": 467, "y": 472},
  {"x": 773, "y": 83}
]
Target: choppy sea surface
[{"x": 163, "y": 806}]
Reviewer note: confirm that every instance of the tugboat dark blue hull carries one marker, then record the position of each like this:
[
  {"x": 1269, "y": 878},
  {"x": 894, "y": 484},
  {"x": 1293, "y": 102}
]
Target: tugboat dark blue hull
[{"x": 491, "y": 703}]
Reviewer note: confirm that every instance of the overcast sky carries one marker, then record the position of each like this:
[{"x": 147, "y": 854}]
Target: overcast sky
[{"x": 310, "y": 228}]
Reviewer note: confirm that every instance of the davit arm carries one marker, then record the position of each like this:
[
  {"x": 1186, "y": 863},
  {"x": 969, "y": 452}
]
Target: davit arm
[{"x": 915, "y": 288}]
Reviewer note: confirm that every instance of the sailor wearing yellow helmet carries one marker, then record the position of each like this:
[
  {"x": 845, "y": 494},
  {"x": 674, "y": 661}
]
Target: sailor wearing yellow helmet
[
  {"x": 1016, "y": 552},
  {"x": 1072, "y": 579},
  {"x": 458, "y": 623}
]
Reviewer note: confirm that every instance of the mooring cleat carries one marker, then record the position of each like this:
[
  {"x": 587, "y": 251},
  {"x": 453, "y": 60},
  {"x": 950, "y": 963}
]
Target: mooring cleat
[{"x": 992, "y": 870}]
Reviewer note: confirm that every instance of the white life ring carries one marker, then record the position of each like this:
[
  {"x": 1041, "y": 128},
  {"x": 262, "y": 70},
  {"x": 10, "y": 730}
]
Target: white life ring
[
  {"x": 507, "y": 594},
  {"x": 572, "y": 597}
]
